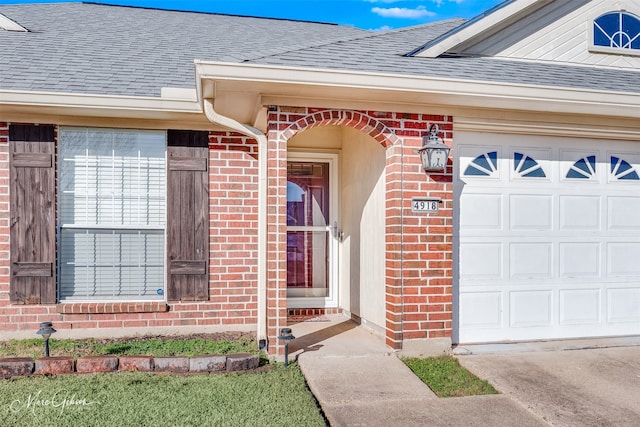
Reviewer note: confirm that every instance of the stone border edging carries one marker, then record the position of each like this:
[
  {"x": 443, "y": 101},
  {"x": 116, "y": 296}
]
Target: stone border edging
[{"x": 22, "y": 366}]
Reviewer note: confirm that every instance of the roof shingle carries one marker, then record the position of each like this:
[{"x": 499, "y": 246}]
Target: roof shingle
[{"x": 114, "y": 50}]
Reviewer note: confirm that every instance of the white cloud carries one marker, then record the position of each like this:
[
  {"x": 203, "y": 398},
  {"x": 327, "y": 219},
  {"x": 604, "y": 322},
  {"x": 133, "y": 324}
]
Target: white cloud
[
  {"x": 383, "y": 28},
  {"x": 401, "y": 12},
  {"x": 441, "y": 2}
]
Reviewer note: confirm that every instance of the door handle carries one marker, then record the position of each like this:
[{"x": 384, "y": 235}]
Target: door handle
[{"x": 338, "y": 234}]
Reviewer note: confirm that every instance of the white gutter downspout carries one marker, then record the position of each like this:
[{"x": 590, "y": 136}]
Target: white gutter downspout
[{"x": 252, "y": 132}]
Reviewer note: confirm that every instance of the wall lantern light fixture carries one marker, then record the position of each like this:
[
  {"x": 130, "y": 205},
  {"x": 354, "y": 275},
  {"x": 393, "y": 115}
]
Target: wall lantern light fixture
[{"x": 434, "y": 153}]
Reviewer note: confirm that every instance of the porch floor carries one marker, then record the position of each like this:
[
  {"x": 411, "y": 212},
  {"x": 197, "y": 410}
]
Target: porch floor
[{"x": 336, "y": 335}]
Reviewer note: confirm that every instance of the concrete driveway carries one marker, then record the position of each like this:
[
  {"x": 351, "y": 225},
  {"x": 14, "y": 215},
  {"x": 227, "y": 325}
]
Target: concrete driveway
[{"x": 593, "y": 387}]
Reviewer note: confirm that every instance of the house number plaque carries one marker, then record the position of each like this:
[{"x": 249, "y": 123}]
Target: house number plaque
[{"x": 425, "y": 205}]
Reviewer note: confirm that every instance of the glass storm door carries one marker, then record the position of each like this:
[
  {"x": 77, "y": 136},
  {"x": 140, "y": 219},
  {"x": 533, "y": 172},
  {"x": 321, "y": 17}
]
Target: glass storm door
[{"x": 310, "y": 233}]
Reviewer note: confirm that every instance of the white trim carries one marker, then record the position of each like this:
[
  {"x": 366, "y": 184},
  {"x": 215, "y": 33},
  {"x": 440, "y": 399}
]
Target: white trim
[
  {"x": 546, "y": 128},
  {"x": 607, "y": 49},
  {"x": 330, "y": 301},
  {"x": 10, "y": 25},
  {"x": 115, "y": 229},
  {"x": 380, "y": 87},
  {"x": 110, "y": 102},
  {"x": 179, "y": 93},
  {"x": 613, "y": 50},
  {"x": 475, "y": 28}
]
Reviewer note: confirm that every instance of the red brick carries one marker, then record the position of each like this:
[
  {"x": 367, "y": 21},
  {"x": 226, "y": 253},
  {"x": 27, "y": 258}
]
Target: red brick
[
  {"x": 242, "y": 362},
  {"x": 171, "y": 364},
  {"x": 54, "y": 365},
  {"x": 97, "y": 364},
  {"x": 15, "y": 366},
  {"x": 136, "y": 363}
]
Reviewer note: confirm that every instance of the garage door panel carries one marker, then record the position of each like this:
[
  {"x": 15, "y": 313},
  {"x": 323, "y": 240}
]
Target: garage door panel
[
  {"x": 579, "y": 260},
  {"x": 623, "y": 305},
  {"x": 484, "y": 212},
  {"x": 623, "y": 259},
  {"x": 481, "y": 310},
  {"x": 580, "y": 212},
  {"x": 580, "y": 306},
  {"x": 531, "y": 308},
  {"x": 481, "y": 261},
  {"x": 530, "y": 212},
  {"x": 624, "y": 213},
  {"x": 530, "y": 260}
]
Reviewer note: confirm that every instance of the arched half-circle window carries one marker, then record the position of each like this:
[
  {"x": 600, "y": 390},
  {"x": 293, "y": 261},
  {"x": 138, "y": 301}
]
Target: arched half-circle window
[{"x": 618, "y": 30}]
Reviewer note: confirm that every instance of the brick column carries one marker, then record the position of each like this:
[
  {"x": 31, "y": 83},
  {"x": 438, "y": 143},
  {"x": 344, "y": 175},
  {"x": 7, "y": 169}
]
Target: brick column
[{"x": 277, "y": 231}]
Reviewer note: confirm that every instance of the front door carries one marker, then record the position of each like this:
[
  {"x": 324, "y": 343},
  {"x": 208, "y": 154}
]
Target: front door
[{"x": 312, "y": 231}]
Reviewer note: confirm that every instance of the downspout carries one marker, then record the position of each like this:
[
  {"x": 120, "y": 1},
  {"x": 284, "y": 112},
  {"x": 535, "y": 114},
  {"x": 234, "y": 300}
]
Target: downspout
[{"x": 227, "y": 122}]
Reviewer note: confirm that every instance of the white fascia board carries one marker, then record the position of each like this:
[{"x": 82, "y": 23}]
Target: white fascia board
[
  {"x": 444, "y": 91},
  {"x": 111, "y": 103},
  {"x": 9, "y": 24},
  {"x": 474, "y": 28}
]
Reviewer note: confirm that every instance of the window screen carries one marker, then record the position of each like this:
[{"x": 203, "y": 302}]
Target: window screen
[{"x": 111, "y": 214}]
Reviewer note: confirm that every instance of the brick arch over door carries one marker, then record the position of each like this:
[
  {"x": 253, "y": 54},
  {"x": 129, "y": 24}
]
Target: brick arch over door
[
  {"x": 287, "y": 122},
  {"x": 418, "y": 251},
  {"x": 352, "y": 119}
]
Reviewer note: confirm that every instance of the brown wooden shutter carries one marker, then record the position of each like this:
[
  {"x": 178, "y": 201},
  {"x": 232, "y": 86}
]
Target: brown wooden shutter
[
  {"x": 32, "y": 205},
  {"x": 188, "y": 216}
]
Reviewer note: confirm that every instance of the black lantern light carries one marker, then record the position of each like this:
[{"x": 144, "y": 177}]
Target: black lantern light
[
  {"x": 286, "y": 336},
  {"x": 434, "y": 153},
  {"x": 46, "y": 329}
]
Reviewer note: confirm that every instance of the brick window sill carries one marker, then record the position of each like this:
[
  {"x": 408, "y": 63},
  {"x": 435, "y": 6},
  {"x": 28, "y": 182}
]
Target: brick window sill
[{"x": 112, "y": 307}]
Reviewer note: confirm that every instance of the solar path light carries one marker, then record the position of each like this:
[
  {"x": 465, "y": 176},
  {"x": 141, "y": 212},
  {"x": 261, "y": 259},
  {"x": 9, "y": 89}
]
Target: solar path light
[
  {"x": 46, "y": 329},
  {"x": 286, "y": 336}
]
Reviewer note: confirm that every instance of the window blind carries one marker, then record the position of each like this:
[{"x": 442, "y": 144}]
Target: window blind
[{"x": 111, "y": 214}]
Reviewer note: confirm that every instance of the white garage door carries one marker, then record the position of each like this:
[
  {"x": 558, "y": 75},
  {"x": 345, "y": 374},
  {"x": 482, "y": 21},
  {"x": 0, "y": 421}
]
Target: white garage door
[{"x": 549, "y": 237}]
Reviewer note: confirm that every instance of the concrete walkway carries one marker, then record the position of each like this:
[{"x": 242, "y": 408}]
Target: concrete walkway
[{"x": 358, "y": 381}]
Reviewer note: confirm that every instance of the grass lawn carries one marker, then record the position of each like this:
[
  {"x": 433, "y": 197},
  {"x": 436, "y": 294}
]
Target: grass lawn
[
  {"x": 270, "y": 396},
  {"x": 188, "y": 345},
  {"x": 447, "y": 378},
  {"x": 275, "y": 397}
]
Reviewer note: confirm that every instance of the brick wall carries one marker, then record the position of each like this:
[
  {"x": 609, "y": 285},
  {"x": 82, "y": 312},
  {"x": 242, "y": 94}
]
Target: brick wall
[
  {"x": 233, "y": 185},
  {"x": 418, "y": 246},
  {"x": 233, "y": 211}
]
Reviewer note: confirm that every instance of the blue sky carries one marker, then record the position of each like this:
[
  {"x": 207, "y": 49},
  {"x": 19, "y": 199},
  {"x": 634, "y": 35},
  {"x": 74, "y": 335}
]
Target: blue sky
[{"x": 366, "y": 14}]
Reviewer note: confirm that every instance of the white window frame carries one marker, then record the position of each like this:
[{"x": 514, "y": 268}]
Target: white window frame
[
  {"x": 606, "y": 49},
  {"x": 61, "y": 226}
]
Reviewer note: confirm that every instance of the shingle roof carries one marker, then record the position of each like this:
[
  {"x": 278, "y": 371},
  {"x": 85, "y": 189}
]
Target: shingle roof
[
  {"x": 92, "y": 48},
  {"x": 100, "y": 49},
  {"x": 386, "y": 53}
]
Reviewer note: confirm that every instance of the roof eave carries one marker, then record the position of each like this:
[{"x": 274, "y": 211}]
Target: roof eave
[
  {"x": 359, "y": 90},
  {"x": 241, "y": 90},
  {"x": 74, "y": 108}
]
